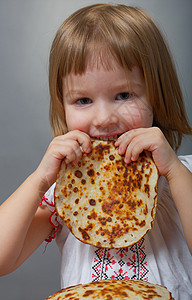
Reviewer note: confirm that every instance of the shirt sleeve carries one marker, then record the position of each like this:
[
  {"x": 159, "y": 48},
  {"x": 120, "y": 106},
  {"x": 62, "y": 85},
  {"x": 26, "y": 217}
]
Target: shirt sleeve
[
  {"x": 54, "y": 219},
  {"x": 187, "y": 161}
]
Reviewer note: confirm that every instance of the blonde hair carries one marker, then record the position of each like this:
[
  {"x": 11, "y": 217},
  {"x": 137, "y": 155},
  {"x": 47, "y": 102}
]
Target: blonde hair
[{"x": 132, "y": 38}]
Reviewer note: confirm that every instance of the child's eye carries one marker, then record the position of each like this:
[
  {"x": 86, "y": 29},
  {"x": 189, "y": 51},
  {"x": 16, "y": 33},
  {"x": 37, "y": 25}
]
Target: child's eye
[
  {"x": 84, "y": 101},
  {"x": 123, "y": 96}
]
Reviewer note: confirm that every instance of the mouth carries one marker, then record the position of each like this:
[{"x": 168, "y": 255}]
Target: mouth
[{"x": 107, "y": 138}]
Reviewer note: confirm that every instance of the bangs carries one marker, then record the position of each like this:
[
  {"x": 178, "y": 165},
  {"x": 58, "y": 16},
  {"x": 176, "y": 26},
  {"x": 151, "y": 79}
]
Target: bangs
[{"x": 95, "y": 40}]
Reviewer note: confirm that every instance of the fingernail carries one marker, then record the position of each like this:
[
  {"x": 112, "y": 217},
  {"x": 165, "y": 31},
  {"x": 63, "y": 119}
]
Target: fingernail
[
  {"x": 120, "y": 151},
  {"x": 66, "y": 161},
  {"x": 117, "y": 142},
  {"x": 87, "y": 150}
]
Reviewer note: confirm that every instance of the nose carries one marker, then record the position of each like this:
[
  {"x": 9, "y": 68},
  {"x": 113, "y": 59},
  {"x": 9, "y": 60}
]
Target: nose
[{"x": 105, "y": 116}]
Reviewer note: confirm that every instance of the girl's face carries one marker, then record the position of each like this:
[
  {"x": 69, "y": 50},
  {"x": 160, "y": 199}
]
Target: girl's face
[{"x": 106, "y": 103}]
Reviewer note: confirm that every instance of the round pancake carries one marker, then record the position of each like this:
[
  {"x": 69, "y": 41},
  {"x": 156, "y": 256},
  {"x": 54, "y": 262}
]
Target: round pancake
[
  {"x": 114, "y": 289},
  {"x": 104, "y": 201}
]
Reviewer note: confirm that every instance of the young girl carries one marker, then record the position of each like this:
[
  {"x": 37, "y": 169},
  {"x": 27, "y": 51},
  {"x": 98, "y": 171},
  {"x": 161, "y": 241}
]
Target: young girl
[{"x": 111, "y": 76}]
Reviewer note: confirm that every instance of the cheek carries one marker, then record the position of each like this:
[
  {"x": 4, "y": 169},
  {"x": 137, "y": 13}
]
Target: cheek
[
  {"x": 76, "y": 121},
  {"x": 144, "y": 116},
  {"x": 137, "y": 115}
]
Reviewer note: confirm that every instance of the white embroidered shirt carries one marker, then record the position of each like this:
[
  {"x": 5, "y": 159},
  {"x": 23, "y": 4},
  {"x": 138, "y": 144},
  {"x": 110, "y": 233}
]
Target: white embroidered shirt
[{"x": 160, "y": 257}]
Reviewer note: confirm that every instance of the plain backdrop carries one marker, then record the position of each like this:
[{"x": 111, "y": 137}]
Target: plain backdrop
[{"x": 27, "y": 29}]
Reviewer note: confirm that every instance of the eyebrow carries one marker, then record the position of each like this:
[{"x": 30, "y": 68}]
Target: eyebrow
[
  {"x": 129, "y": 84},
  {"x": 75, "y": 92}
]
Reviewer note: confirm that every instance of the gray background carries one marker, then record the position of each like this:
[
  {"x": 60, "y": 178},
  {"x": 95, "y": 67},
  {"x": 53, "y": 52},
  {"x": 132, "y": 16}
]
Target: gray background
[{"x": 26, "y": 31}]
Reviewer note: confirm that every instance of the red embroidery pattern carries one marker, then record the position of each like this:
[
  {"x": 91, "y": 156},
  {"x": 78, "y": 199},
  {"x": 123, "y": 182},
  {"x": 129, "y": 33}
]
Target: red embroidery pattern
[
  {"x": 53, "y": 219},
  {"x": 125, "y": 263}
]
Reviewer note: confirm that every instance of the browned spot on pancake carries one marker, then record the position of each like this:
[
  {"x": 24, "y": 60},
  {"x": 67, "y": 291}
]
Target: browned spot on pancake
[
  {"x": 100, "y": 148},
  {"x": 92, "y": 202},
  {"x": 132, "y": 204},
  {"x": 90, "y": 172},
  {"x": 78, "y": 174},
  {"x": 93, "y": 215},
  {"x": 145, "y": 210},
  {"x": 84, "y": 234},
  {"x": 141, "y": 224},
  {"x": 147, "y": 189},
  {"x": 77, "y": 200},
  {"x": 64, "y": 191},
  {"x": 107, "y": 207},
  {"x": 88, "y": 293},
  {"x": 111, "y": 157}
]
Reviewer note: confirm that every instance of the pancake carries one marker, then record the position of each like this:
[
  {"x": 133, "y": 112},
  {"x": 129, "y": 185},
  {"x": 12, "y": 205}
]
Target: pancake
[
  {"x": 114, "y": 289},
  {"x": 106, "y": 202}
]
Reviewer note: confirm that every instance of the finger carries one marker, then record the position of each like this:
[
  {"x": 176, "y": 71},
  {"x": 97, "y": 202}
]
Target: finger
[
  {"x": 124, "y": 140},
  {"x": 139, "y": 143},
  {"x": 82, "y": 138},
  {"x": 73, "y": 152},
  {"x": 133, "y": 151}
]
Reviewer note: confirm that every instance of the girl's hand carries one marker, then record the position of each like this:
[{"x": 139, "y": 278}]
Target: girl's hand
[
  {"x": 68, "y": 147},
  {"x": 133, "y": 142}
]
